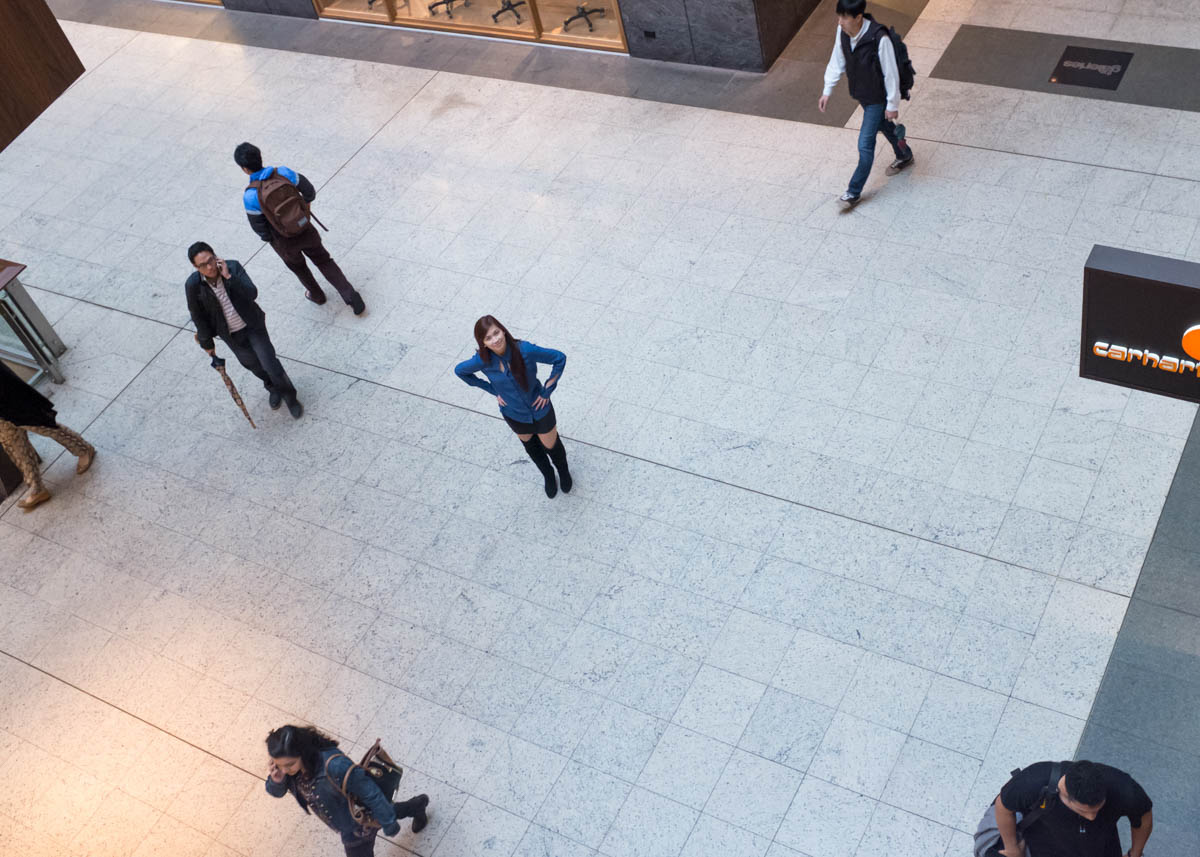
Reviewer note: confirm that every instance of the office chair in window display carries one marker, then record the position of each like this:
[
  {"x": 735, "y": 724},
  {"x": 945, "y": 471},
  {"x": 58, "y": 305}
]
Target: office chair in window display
[
  {"x": 449, "y": 4},
  {"x": 508, "y": 6},
  {"x": 582, "y": 11}
]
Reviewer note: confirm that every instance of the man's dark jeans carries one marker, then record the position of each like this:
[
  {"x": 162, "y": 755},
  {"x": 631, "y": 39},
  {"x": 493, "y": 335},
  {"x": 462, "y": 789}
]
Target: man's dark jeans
[
  {"x": 308, "y": 243},
  {"x": 872, "y": 123},
  {"x": 253, "y": 349}
]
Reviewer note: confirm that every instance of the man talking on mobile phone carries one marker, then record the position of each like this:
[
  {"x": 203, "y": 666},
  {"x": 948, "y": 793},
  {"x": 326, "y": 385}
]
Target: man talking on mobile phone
[{"x": 221, "y": 299}]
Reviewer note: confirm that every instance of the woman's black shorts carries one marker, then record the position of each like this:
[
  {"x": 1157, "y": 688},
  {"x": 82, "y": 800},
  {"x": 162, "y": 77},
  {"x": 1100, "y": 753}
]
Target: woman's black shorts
[{"x": 539, "y": 427}]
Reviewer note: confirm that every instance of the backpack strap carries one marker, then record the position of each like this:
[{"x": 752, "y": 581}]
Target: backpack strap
[{"x": 1049, "y": 796}]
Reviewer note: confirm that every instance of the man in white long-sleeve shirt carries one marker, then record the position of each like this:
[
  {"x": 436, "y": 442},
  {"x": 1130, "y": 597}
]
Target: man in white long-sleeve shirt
[{"x": 864, "y": 53}]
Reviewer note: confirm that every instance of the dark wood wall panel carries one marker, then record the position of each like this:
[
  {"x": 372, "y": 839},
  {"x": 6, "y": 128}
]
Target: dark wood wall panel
[{"x": 37, "y": 64}]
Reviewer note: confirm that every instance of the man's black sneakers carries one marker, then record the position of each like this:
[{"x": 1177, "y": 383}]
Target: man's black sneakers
[
  {"x": 849, "y": 200},
  {"x": 295, "y": 408},
  {"x": 275, "y": 399}
]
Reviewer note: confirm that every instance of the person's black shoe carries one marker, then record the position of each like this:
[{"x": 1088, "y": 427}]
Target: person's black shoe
[
  {"x": 422, "y": 818},
  {"x": 295, "y": 408},
  {"x": 275, "y": 400},
  {"x": 356, "y": 304}
]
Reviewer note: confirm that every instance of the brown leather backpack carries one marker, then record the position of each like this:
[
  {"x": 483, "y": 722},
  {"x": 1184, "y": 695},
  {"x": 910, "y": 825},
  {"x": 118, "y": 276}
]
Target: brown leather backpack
[{"x": 283, "y": 206}]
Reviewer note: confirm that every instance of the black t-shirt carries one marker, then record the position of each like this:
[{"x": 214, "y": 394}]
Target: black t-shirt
[{"x": 1059, "y": 832}]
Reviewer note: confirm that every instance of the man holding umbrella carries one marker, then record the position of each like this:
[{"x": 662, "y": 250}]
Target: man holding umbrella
[{"x": 221, "y": 299}]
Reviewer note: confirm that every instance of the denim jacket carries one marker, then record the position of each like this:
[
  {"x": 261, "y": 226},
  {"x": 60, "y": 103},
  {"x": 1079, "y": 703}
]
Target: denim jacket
[
  {"x": 331, "y": 807},
  {"x": 498, "y": 380}
]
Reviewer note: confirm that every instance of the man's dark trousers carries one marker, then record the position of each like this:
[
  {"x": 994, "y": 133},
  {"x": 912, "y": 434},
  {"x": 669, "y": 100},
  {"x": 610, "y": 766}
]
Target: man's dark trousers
[
  {"x": 308, "y": 243},
  {"x": 873, "y": 122},
  {"x": 253, "y": 349}
]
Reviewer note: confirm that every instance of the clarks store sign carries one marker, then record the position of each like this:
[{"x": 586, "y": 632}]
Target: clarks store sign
[{"x": 1141, "y": 322}]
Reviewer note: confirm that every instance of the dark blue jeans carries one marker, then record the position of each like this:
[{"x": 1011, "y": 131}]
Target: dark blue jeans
[{"x": 872, "y": 123}]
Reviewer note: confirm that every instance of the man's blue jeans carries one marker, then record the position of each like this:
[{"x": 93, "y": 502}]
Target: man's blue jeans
[{"x": 872, "y": 123}]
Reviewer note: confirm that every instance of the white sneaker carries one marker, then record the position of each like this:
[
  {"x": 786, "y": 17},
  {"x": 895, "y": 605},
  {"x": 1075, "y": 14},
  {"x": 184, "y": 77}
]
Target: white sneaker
[{"x": 848, "y": 200}]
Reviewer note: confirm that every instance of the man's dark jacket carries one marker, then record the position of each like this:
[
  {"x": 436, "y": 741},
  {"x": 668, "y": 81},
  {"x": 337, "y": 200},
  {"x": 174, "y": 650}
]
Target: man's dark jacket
[
  {"x": 206, "y": 309},
  {"x": 21, "y": 404}
]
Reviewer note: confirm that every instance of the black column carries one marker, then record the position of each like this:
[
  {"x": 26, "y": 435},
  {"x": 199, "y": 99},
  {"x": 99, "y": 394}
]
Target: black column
[{"x": 747, "y": 35}]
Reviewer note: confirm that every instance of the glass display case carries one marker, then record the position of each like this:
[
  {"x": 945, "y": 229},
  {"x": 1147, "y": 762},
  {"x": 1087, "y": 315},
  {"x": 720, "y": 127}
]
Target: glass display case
[{"x": 586, "y": 23}]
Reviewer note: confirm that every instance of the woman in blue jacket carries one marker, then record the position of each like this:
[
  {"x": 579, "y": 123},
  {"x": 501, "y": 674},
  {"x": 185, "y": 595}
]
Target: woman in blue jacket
[
  {"x": 509, "y": 367},
  {"x": 309, "y": 764}
]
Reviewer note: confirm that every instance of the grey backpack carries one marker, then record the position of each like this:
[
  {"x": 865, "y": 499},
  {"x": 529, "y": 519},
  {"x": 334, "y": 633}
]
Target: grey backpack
[{"x": 988, "y": 834}]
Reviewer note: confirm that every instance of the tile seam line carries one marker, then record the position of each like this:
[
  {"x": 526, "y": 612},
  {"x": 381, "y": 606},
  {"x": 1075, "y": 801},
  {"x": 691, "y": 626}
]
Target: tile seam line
[
  {"x": 433, "y": 74},
  {"x": 1043, "y": 158},
  {"x": 624, "y": 454},
  {"x": 115, "y": 707}
]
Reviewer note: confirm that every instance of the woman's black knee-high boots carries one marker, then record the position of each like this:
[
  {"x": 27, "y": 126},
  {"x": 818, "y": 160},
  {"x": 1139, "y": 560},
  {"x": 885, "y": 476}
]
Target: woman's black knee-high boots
[
  {"x": 559, "y": 456},
  {"x": 537, "y": 452}
]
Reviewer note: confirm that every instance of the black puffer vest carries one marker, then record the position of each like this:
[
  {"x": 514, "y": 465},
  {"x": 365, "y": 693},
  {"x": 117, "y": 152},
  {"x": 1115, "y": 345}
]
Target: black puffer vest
[{"x": 863, "y": 71}]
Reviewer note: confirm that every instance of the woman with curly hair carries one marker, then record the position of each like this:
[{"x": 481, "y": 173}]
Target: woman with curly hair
[{"x": 308, "y": 763}]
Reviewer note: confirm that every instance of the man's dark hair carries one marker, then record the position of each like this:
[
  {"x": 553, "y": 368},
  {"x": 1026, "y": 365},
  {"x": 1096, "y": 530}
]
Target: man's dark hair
[
  {"x": 248, "y": 157},
  {"x": 853, "y": 8},
  {"x": 196, "y": 249},
  {"x": 1085, "y": 783}
]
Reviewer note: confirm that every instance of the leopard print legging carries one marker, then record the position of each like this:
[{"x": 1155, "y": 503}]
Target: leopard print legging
[{"x": 16, "y": 443}]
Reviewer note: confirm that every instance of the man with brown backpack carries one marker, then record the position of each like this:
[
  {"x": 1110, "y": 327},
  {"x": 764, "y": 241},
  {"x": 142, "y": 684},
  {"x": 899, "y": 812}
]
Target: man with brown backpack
[{"x": 277, "y": 203}]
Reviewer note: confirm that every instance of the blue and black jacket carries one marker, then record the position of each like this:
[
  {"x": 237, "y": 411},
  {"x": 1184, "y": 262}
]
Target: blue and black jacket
[
  {"x": 330, "y": 805},
  {"x": 499, "y": 381},
  {"x": 258, "y": 220}
]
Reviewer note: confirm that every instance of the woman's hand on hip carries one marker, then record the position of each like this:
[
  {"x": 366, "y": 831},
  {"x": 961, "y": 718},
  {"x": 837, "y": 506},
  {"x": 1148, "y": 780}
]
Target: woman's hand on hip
[
  {"x": 540, "y": 402},
  {"x": 500, "y": 399}
]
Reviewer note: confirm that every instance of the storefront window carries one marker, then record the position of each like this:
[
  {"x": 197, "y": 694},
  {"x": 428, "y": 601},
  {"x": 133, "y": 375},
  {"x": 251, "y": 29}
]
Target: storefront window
[
  {"x": 594, "y": 23},
  {"x": 591, "y": 23},
  {"x": 509, "y": 16}
]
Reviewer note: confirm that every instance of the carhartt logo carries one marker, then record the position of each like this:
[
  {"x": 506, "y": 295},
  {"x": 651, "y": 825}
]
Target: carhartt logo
[
  {"x": 1090, "y": 66},
  {"x": 1167, "y": 363},
  {"x": 1191, "y": 342}
]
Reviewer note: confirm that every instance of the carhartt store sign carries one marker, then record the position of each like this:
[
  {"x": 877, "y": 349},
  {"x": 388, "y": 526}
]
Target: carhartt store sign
[
  {"x": 1141, "y": 322},
  {"x": 1094, "y": 67}
]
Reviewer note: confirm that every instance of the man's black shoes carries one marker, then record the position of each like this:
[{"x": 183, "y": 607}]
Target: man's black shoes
[
  {"x": 295, "y": 408},
  {"x": 275, "y": 399},
  {"x": 356, "y": 304}
]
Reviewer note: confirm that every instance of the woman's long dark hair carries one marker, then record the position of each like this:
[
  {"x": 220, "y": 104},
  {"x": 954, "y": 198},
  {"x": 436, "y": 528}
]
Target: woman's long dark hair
[
  {"x": 514, "y": 354},
  {"x": 304, "y": 743}
]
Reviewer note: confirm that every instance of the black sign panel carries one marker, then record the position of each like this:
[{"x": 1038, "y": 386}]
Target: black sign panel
[
  {"x": 1141, "y": 322},
  {"x": 1092, "y": 67}
]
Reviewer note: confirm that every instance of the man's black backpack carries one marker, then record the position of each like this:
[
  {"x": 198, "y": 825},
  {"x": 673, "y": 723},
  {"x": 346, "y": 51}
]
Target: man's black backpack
[{"x": 908, "y": 74}]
